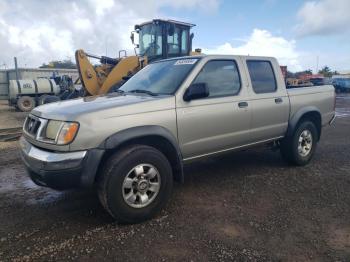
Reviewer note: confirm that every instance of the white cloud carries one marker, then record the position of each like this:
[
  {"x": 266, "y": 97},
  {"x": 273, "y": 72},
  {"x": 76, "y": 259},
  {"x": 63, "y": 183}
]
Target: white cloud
[
  {"x": 263, "y": 43},
  {"x": 324, "y": 17},
  {"x": 207, "y": 6},
  {"x": 82, "y": 24},
  {"x": 103, "y": 6},
  {"x": 40, "y": 31}
]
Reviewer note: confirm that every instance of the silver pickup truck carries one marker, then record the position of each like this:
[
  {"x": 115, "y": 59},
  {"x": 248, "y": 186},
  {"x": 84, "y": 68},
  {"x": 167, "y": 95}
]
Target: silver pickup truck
[{"x": 133, "y": 143}]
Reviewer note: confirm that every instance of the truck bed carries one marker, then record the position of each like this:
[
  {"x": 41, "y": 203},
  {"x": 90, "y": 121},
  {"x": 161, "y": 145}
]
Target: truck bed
[{"x": 320, "y": 97}]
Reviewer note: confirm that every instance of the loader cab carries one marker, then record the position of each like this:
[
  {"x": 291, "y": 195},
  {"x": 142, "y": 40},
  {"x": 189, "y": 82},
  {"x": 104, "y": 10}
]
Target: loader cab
[{"x": 159, "y": 39}]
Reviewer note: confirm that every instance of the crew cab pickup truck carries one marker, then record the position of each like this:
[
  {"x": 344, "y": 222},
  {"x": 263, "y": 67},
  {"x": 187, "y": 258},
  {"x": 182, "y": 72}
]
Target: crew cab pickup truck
[{"x": 132, "y": 144}]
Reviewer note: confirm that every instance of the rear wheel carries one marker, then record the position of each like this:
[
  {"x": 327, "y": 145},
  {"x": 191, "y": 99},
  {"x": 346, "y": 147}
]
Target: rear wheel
[
  {"x": 300, "y": 147},
  {"x": 25, "y": 103},
  {"x": 135, "y": 183}
]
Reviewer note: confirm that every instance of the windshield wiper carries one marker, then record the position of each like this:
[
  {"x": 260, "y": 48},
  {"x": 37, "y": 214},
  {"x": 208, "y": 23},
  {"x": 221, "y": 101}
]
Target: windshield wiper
[{"x": 143, "y": 91}]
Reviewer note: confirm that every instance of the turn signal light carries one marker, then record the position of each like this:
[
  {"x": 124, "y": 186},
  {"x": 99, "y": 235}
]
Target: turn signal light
[{"x": 67, "y": 133}]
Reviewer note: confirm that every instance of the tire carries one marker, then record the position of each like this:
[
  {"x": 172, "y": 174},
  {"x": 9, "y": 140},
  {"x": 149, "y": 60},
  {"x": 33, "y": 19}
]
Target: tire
[
  {"x": 41, "y": 100},
  {"x": 118, "y": 199},
  {"x": 51, "y": 99},
  {"x": 302, "y": 155},
  {"x": 25, "y": 103}
]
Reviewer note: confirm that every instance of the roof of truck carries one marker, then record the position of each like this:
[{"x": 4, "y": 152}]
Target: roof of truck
[
  {"x": 168, "y": 21},
  {"x": 218, "y": 57}
]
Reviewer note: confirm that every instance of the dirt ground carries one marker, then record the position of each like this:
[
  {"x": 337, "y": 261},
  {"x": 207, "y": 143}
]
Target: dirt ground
[
  {"x": 243, "y": 206},
  {"x": 9, "y": 117}
]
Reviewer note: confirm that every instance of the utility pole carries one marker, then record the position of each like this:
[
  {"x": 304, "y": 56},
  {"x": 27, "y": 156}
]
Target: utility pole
[
  {"x": 316, "y": 65},
  {"x": 16, "y": 68}
]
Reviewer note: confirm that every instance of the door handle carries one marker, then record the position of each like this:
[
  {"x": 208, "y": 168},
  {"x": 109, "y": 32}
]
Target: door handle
[
  {"x": 242, "y": 104},
  {"x": 278, "y": 100}
]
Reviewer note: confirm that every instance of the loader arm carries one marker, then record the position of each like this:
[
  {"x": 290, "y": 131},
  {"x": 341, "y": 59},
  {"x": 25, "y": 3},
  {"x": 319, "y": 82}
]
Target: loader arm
[
  {"x": 87, "y": 73},
  {"x": 99, "y": 80},
  {"x": 127, "y": 66}
]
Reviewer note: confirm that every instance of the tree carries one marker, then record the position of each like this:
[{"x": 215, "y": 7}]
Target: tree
[
  {"x": 305, "y": 72},
  {"x": 66, "y": 64},
  {"x": 327, "y": 72}
]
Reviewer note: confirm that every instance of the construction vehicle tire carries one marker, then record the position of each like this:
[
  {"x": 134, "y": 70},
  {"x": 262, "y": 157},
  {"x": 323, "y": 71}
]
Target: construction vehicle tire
[
  {"x": 41, "y": 100},
  {"x": 51, "y": 99},
  {"x": 25, "y": 103}
]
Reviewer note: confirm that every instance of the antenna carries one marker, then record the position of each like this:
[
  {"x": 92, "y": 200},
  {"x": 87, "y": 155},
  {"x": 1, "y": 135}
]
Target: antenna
[{"x": 106, "y": 44}]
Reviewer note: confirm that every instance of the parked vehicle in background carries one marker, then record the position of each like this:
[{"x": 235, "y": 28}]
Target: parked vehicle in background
[
  {"x": 26, "y": 94},
  {"x": 317, "y": 81},
  {"x": 29, "y": 93},
  {"x": 295, "y": 82},
  {"x": 341, "y": 84},
  {"x": 133, "y": 143},
  {"x": 68, "y": 90}
]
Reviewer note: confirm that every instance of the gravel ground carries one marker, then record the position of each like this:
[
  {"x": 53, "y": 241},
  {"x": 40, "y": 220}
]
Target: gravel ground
[{"x": 242, "y": 206}]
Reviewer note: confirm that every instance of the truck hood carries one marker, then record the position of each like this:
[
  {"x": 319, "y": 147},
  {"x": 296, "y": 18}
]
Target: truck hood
[{"x": 113, "y": 104}]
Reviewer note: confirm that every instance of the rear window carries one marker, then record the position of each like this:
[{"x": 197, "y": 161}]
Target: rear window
[{"x": 262, "y": 76}]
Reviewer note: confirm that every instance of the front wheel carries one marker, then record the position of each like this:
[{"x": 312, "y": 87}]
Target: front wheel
[
  {"x": 300, "y": 147},
  {"x": 135, "y": 183}
]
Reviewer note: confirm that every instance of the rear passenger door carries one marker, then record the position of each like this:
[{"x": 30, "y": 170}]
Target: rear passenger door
[
  {"x": 215, "y": 123},
  {"x": 268, "y": 99}
]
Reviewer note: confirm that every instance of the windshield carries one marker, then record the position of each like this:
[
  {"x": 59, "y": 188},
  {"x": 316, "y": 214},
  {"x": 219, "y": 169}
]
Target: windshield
[
  {"x": 150, "y": 40},
  {"x": 160, "y": 78}
]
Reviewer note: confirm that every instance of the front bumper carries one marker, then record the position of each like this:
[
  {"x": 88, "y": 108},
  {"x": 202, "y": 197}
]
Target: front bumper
[{"x": 60, "y": 170}]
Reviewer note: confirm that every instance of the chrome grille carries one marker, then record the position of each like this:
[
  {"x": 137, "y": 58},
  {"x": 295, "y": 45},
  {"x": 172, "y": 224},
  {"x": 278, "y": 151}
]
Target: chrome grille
[{"x": 34, "y": 126}]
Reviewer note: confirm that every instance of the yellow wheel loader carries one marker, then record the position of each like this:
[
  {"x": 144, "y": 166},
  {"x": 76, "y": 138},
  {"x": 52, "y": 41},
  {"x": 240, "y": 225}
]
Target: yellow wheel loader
[{"x": 158, "y": 39}]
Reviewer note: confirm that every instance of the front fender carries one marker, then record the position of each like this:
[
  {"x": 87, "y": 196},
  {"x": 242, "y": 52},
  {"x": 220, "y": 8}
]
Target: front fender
[{"x": 121, "y": 137}]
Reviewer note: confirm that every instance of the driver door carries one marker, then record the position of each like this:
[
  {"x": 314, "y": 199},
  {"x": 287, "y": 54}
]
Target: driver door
[{"x": 218, "y": 122}]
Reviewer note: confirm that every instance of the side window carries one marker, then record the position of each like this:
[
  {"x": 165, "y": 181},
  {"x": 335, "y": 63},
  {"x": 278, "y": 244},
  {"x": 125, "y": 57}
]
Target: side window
[
  {"x": 262, "y": 76},
  {"x": 222, "y": 78},
  {"x": 173, "y": 42},
  {"x": 184, "y": 42}
]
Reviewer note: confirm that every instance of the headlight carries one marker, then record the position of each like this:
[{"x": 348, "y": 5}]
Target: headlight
[
  {"x": 52, "y": 129},
  {"x": 67, "y": 133},
  {"x": 62, "y": 133}
]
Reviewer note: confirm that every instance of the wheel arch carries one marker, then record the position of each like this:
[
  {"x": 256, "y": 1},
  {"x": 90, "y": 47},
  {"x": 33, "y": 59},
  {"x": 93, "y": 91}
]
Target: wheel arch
[
  {"x": 310, "y": 113},
  {"x": 155, "y": 136}
]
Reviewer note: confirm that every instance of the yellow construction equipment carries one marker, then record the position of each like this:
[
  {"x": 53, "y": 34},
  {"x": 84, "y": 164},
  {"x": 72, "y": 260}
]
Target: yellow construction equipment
[{"x": 158, "y": 39}]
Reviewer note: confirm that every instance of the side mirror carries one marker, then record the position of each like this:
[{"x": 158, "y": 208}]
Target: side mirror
[{"x": 196, "y": 91}]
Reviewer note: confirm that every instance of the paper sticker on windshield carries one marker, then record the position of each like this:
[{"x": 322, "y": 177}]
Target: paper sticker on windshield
[{"x": 186, "y": 62}]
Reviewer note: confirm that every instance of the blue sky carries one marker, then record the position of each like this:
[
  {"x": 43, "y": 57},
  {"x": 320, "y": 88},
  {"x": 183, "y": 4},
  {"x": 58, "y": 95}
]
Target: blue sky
[
  {"x": 234, "y": 21},
  {"x": 299, "y": 33},
  {"x": 238, "y": 18}
]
